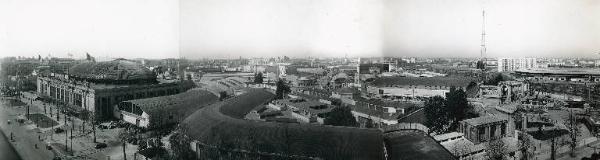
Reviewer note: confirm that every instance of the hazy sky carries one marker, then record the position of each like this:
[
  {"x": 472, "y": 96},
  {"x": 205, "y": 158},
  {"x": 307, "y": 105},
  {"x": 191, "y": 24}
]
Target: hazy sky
[
  {"x": 115, "y": 28},
  {"x": 260, "y": 28},
  {"x": 230, "y": 28},
  {"x": 515, "y": 28}
]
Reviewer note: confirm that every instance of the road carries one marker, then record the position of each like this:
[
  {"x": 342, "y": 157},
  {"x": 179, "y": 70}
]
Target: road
[
  {"x": 7, "y": 152},
  {"x": 25, "y": 136}
]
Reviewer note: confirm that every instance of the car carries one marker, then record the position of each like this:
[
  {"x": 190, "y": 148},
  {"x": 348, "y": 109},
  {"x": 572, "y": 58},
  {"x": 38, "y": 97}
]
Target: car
[
  {"x": 100, "y": 145},
  {"x": 48, "y": 147},
  {"x": 107, "y": 126},
  {"x": 58, "y": 130}
]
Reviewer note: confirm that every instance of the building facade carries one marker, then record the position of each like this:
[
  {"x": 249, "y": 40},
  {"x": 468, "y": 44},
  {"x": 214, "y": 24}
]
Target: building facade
[
  {"x": 97, "y": 87},
  {"x": 156, "y": 112},
  {"x": 513, "y": 64},
  {"x": 484, "y": 129}
]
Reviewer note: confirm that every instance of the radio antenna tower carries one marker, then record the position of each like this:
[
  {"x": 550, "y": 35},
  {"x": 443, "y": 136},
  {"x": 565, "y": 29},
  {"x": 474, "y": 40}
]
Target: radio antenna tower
[{"x": 483, "y": 48}]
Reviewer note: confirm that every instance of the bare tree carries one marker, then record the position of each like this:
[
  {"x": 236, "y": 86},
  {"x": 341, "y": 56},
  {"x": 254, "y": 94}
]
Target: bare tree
[
  {"x": 180, "y": 144},
  {"x": 556, "y": 141},
  {"x": 574, "y": 133},
  {"x": 124, "y": 135}
]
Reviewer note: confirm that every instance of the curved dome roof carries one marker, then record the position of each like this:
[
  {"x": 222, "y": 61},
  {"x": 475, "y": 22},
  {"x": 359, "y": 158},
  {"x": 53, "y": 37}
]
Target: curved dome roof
[{"x": 116, "y": 70}]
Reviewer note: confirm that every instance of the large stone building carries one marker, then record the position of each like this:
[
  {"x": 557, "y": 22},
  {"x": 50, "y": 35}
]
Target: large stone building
[{"x": 98, "y": 86}]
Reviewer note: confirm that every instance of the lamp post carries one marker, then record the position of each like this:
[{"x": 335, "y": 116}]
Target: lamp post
[{"x": 72, "y": 127}]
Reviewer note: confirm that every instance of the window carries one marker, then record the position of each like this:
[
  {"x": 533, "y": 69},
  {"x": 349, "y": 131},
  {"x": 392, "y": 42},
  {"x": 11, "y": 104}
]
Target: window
[
  {"x": 78, "y": 99},
  {"x": 481, "y": 133},
  {"x": 503, "y": 129},
  {"x": 493, "y": 132}
]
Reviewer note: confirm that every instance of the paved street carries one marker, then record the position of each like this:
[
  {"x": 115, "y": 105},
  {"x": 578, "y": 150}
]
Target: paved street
[{"x": 24, "y": 135}]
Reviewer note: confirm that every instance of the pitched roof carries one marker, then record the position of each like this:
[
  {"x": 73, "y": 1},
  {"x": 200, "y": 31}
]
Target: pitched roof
[
  {"x": 184, "y": 103},
  {"x": 483, "y": 120}
]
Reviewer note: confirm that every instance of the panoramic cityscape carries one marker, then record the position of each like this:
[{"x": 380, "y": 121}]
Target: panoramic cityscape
[{"x": 300, "y": 80}]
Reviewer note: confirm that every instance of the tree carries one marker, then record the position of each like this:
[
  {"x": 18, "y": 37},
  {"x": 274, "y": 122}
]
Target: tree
[
  {"x": 341, "y": 116},
  {"x": 258, "y": 78},
  {"x": 472, "y": 89},
  {"x": 436, "y": 114},
  {"x": 281, "y": 90},
  {"x": 480, "y": 65},
  {"x": 124, "y": 135},
  {"x": 574, "y": 132},
  {"x": 525, "y": 145},
  {"x": 496, "y": 149},
  {"x": 369, "y": 124},
  {"x": 495, "y": 80},
  {"x": 180, "y": 144},
  {"x": 457, "y": 106},
  {"x": 222, "y": 95}
]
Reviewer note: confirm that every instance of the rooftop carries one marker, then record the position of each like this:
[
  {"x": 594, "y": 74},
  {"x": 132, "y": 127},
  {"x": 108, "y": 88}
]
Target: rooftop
[
  {"x": 422, "y": 81},
  {"x": 116, "y": 70},
  {"x": 415, "y": 145},
  {"x": 223, "y": 122},
  {"x": 561, "y": 71},
  {"x": 483, "y": 120},
  {"x": 186, "y": 102}
]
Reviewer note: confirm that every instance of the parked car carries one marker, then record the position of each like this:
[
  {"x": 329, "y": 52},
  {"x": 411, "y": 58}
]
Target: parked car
[
  {"x": 58, "y": 130},
  {"x": 107, "y": 125},
  {"x": 100, "y": 145}
]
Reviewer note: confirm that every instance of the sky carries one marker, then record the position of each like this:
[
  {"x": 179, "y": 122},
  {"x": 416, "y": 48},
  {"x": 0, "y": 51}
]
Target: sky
[
  {"x": 514, "y": 28},
  {"x": 299, "y": 28},
  {"x": 103, "y": 28}
]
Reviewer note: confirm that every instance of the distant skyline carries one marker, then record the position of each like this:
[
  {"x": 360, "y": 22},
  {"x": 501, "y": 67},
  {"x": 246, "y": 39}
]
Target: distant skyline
[{"x": 298, "y": 28}]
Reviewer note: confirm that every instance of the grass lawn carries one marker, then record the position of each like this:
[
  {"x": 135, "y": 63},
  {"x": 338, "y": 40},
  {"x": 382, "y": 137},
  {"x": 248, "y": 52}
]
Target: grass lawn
[{"x": 42, "y": 120}]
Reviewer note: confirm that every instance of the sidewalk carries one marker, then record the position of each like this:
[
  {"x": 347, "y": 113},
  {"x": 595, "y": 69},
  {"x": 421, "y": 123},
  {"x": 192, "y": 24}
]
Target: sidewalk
[
  {"x": 83, "y": 146},
  {"x": 25, "y": 135}
]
